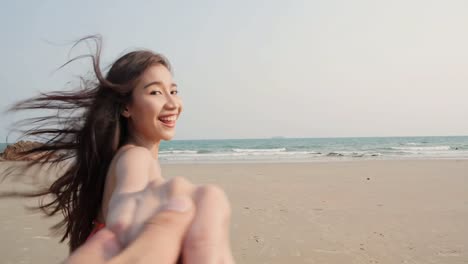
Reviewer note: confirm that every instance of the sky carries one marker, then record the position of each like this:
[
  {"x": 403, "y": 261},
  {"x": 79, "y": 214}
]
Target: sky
[{"x": 258, "y": 69}]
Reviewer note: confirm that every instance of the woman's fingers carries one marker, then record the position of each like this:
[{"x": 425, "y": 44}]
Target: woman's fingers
[
  {"x": 148, "y": 202},
  {"x": 120, "y": 219},
  {"x": 162, "y": 236},
  {"x": 151, "y": 199},
  {"x": 207, "y": 240}
]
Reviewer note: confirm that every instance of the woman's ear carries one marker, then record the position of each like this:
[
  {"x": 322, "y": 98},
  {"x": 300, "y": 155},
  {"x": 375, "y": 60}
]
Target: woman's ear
[{"x": 126, "y": 113}]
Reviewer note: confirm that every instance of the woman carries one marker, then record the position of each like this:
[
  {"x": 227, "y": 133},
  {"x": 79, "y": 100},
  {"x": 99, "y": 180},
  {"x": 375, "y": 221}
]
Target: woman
[{"x": 110, "y": 129}]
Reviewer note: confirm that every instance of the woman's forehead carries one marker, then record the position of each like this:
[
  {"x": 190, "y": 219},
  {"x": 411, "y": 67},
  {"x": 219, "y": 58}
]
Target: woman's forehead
[{"x": 157, "y": 73}]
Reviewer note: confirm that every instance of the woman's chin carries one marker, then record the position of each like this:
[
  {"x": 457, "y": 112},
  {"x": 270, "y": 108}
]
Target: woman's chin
[{"x": 167, "y": 137}]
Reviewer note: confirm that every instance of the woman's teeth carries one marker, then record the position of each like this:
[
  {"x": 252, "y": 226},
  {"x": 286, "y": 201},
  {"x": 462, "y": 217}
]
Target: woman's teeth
[{"x": 168, "y": 118}]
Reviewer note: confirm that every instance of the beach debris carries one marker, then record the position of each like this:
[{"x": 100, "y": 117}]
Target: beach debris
[
  {"x": 258, "y": 239},
  {"x": 380, "y": 234},
  {"x": 449, "y": 253},
  {"x": 368, "y": 178}
]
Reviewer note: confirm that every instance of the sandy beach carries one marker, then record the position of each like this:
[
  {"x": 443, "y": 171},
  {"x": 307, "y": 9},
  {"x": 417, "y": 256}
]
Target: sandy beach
[{"x": 407, "y": 211}]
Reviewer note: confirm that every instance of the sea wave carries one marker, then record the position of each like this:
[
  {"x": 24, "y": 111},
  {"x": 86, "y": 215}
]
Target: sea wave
[
  {"x": 412, "y": 144},
  {"x": 353, "y": 154},
  {"x": 259, "y": 150},
  {"x": 432, "y": 148},
  {"x": 335, "y": 154},
  {"x": 204, "y": 151},
  {"x": 178, "y": 152},
  {"x": 317, "y": 150}
]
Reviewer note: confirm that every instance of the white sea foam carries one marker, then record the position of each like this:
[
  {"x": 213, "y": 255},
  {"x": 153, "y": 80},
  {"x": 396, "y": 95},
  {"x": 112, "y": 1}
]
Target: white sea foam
[
  {"x": 259, "y": 150},
  {"x": 178, "y": 152},
  {"x": 432, "y": 148}
]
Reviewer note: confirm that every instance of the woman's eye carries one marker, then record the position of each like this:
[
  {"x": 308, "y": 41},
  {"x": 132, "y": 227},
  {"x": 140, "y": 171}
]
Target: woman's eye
[
  {"x": 175, "y": 92},
  {"x": 155, "y": 92}
]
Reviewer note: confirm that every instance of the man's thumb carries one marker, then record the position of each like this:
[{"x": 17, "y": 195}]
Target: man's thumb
[
  {"x": 163, "y": 234},
  {"x": 100, "y": 248}
]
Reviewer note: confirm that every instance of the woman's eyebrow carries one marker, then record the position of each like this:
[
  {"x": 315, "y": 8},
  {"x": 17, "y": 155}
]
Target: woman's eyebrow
[{"x": 158, "y": 83}]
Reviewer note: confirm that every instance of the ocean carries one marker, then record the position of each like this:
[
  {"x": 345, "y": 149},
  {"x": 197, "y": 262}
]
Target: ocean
[{"x": 312, "y": 149}]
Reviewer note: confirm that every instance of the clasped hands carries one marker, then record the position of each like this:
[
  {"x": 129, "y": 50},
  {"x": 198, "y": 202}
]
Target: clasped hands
[{"x": 170, "y": 222}]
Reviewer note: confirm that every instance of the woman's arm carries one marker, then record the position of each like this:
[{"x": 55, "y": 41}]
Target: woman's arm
[{"x": 132, "y": 171}]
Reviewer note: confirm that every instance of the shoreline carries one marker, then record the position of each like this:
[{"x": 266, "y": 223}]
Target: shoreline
[
  {"x": 311, "y": 161},
  {"x": 285, "y": 161}
]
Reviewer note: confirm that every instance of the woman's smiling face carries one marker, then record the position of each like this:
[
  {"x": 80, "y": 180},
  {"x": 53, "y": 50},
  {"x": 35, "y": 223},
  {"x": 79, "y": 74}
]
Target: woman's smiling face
[{"x": 155, "y": 105}]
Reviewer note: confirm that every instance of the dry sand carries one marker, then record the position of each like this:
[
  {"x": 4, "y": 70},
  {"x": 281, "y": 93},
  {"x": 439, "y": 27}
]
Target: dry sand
[{"x": 333, "y": 212}]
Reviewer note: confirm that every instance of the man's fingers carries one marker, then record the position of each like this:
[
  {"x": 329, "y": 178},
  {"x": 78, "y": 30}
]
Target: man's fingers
[
  {"x": 162, "y": 236},
  {"x": 208, "y": 235},
  {"x": 100, "y": 248}
]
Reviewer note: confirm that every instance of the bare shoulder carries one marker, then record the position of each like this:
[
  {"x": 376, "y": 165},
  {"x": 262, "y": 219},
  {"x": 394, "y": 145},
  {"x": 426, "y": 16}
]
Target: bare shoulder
[
  {"x": 132, "y": 167},
  {"x": 133, "y": 154}
]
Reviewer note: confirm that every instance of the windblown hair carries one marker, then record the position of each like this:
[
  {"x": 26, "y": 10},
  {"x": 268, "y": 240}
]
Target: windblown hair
[{"x": 86, "y": 132}]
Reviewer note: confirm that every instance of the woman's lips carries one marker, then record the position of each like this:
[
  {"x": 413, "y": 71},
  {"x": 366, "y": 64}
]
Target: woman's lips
[{"x": 168, "y": 121}]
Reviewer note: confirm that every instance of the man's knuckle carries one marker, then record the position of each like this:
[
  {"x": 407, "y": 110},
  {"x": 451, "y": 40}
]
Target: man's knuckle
[
  {"x": 164, "y": 219},
  {"x": 212, "y": 191},
  {"x": 216, "y": 194},
  {"x": 200, "y": 240},
  {"x": 178, "y": 184}
]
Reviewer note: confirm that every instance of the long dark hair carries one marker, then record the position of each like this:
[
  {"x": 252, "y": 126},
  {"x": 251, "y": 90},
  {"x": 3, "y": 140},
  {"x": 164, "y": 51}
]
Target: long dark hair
[{"x": 87, "y": 130}]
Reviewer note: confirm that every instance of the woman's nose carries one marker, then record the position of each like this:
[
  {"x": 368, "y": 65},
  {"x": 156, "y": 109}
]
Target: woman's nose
[{"x": 171, "y": 102}]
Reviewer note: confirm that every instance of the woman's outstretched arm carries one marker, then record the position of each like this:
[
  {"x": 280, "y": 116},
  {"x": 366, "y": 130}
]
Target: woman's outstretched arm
[{"x": 132, "y": 171}]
